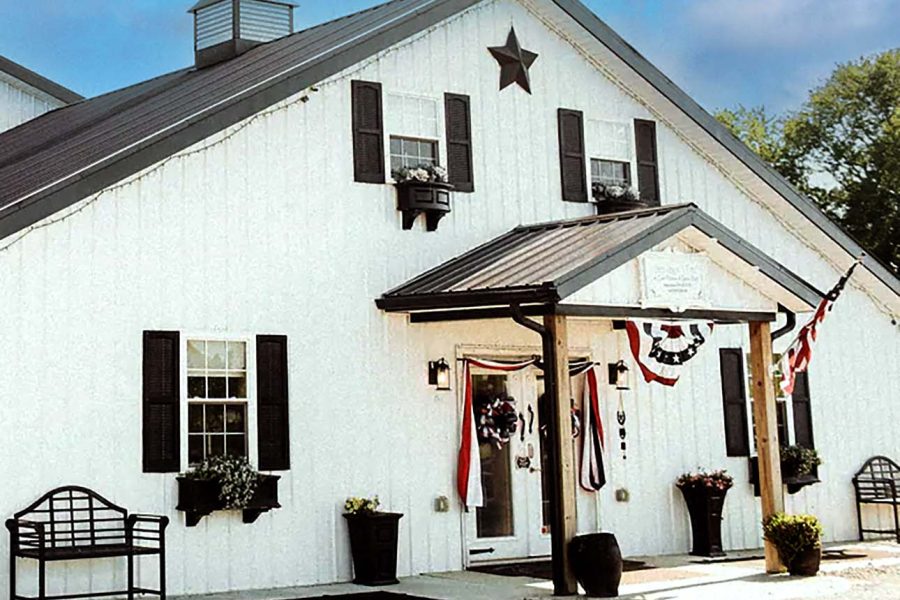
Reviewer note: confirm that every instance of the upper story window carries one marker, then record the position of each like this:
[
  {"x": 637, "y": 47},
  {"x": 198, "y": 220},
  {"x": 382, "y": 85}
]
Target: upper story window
[
  {"x": 413, "y": 123},
  {"x": 411, "y": 152},
  {"x": 610, "y": 172},
  {"x": 217, "y": 399}
]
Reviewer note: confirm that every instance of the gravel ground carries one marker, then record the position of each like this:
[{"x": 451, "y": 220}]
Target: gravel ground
[{"x": 881, "y": 583}]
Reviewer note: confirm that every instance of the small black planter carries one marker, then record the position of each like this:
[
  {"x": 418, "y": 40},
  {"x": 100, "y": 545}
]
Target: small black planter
[
  {"x": 597, "y": 562},
  {"x": 373, "y": 543},
  {"x": 705, "y": 507},
  {"x": 431, "y": 198},
  {"x": 199, "y": 498},
  {"x": 805, "y": 563}
]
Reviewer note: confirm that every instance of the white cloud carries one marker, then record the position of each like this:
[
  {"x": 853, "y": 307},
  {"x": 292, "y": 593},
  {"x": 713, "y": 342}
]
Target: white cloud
[{"x": 781, "y": 24}]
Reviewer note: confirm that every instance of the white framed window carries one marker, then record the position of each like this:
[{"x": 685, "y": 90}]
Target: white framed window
[
  {"x": 413, "y": 115},
  {"x": 609, "y": 138},
  {"x": 412, "y": 152},
  {"x": 610, "y": 172},
  {"x": 217, "y": 397},
  {"x": 413, "y": 123}
]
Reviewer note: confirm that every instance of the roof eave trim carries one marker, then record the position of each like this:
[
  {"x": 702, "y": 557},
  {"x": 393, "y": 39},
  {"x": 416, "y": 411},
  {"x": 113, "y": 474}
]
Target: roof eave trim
[
  {"x": 39, "y": 82},
  {"x": 544, "y": 294}
]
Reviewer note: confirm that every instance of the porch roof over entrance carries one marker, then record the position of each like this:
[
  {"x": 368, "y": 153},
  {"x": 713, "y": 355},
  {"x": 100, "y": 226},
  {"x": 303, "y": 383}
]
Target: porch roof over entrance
[{"x": 545, "y": 263}]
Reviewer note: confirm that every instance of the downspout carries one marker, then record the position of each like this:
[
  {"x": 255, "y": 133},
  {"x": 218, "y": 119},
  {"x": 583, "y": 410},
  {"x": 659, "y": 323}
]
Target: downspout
[
  {"x": 788, "y": 326},
  {"x": 557, "y": 538}
]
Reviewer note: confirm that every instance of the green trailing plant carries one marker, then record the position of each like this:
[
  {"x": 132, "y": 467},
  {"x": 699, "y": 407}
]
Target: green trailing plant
[
  {"x": 362, "y": 506},
  {"x": 798, "y": 461},
  {"x": 237, "y": 479},
  {"x": 792, "y": 534}
]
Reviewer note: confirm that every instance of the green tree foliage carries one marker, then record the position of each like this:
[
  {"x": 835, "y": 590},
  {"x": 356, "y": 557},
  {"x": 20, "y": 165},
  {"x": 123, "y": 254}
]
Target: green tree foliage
[{"x": 842, "y": 148}]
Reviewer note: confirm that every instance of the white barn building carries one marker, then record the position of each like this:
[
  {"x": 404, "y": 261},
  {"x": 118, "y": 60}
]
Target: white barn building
[
  {"x": 227, "y": 238},
  {"x": 25, "y": 94}
]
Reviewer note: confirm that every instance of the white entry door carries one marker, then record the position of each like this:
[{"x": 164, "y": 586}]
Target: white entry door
[{"x": 514, "y": 522}]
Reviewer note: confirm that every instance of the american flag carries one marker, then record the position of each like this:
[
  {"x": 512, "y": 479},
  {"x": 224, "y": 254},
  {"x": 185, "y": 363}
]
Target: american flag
[{"x": 797, "y": 357}]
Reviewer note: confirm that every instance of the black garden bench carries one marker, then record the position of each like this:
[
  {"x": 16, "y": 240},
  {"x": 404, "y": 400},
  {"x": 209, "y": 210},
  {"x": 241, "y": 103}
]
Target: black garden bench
[
  {"x": 75, "y": 523},
  {"x": 878, "y": 482}
]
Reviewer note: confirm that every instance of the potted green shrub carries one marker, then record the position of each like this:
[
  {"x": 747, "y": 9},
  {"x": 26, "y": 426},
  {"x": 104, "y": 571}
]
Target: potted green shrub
[
  {"x": 226, "y": 483},
  {"x": 704, "y": 493},
  {"x": 798, "y": 539},
  {"x": 373, "y": 541}
]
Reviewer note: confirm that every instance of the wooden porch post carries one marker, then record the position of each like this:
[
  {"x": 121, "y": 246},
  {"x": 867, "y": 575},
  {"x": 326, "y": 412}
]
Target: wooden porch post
[
  {"x": 561, "y": 452},
  {"x": 765, "y": 416}
]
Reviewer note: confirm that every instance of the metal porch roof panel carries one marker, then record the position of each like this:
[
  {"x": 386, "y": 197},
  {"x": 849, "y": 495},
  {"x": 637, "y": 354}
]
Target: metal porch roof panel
[{"x": 549, "y": 261}]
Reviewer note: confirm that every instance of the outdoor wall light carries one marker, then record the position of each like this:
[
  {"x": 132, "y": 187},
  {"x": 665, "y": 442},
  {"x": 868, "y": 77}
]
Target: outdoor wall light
[
  {"x": 439, "y": 374},
  {"x": 618, "y": 376}
]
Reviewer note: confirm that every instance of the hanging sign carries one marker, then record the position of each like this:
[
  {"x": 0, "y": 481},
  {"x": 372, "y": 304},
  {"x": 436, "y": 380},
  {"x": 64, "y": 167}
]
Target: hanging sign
[{"x": 674, "y": 280}]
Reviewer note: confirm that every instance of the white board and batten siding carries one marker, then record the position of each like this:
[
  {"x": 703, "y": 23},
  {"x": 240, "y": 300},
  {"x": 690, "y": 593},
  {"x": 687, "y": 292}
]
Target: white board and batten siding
[
  {"x": 20, "y": 102},
  {"x": 266, "y": 233}
]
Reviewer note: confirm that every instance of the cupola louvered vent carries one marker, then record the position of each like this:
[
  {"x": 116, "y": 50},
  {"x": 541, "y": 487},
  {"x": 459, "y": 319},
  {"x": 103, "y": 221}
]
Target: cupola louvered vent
[{"x": 224, "y": 29}]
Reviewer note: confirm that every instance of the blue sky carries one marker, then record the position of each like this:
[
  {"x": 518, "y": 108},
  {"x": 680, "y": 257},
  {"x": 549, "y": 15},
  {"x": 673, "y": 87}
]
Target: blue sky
[{"x": 723, "y": 52}]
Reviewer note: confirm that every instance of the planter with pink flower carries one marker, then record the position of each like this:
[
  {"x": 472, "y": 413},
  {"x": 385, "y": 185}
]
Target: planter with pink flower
[{"x": 704, "y": 493}]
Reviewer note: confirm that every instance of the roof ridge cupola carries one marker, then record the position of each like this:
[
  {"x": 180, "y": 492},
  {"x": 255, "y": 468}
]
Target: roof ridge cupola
[{"x": 224, "y": 29}]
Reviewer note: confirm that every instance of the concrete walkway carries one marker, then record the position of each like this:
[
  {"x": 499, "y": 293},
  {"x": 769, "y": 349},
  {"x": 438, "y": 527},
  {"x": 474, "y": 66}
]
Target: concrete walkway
[{"x": 742, "y": 576}]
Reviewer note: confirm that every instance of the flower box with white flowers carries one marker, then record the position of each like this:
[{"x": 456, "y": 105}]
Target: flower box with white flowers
[
  {"x": 226, "y": 483},
  {"x": 423, "y": 189},
  {"x": 613, "y": 198}
]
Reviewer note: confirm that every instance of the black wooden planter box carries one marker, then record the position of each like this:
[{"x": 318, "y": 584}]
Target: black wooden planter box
[
  {"x": 794, "y": 482},
  {"x": 373, "y": 543},
  {"x": 415, "y": 198},
  {"x": 199, "y": 498},
  {"x": 705, "y": 507}
]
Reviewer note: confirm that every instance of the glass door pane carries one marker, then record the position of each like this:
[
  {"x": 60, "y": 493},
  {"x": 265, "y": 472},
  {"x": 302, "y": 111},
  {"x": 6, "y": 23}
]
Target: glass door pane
[{"x": 495, "y": 519}]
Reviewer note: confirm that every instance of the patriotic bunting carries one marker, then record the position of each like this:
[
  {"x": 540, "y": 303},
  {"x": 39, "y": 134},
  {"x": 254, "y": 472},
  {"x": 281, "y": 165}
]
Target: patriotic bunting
[
  {"x": 662, "y": 349},
  {"x": 469, "y": 461},
  {"x": 799, "y": 354}
]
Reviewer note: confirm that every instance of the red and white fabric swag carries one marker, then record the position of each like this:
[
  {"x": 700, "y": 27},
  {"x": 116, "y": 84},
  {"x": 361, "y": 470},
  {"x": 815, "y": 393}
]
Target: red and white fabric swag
[{"x": 662, "y": 349}]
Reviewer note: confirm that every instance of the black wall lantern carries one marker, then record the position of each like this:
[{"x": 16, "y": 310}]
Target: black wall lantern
[
  {"x": 439, "y": 374},
  {"x": 618, "y": 376}
]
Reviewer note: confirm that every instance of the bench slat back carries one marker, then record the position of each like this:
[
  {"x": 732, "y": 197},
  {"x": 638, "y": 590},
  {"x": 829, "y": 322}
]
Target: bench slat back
[
  {"x": 872, "y": 481},
  {"x": 75, "y": 516}
]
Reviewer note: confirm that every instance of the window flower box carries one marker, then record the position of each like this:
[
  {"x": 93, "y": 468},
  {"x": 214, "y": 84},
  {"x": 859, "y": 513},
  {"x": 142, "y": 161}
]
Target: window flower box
[
  {"x": 791, "y": 478},
  {"x": 611, "y": 198},
  {"x": 423, "y": 189},
  {"x": 201, "y": 497}
]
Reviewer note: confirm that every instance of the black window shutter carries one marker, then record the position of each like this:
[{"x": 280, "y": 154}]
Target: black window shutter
[
  {"x": 571, "y": 155},
  {"x": 803, "y": 429},
  {"x": 272, "y": 403},
  {"x": 734, "y": 401},
  {"x": 647, "y": 161},
  {"x": 161, "y": 430},
  {"x": 458, "y": 117},
  {"x": 368, "y": 132}
]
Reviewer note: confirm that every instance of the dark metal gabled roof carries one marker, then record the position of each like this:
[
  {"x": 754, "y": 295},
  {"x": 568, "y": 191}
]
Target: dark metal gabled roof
[
  {"x": 55, "y": 160},
  {"x": 547, "y": 262},
  {"x": 37, "y": 81}
]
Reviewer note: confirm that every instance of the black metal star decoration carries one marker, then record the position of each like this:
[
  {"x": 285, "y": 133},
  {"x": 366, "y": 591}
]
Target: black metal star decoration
[{"x": 514, "y": 62}]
